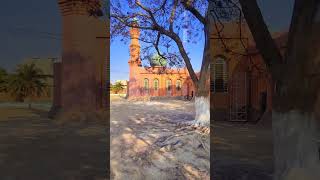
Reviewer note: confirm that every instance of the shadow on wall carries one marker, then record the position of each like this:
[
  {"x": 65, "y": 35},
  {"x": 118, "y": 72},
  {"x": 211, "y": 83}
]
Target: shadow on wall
[{"x": 80, "y": 88}]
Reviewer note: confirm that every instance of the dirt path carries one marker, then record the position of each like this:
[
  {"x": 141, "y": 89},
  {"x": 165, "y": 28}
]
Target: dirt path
[
  {"x": 242, "y": 151},
  {"x": 148, "y": 143},
  {"x": 33, "y": 147}
]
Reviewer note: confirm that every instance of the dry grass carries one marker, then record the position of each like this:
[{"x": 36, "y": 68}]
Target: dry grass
[
  {"x": 5, "y": 97},
  {"x": 7, "y": 113}
]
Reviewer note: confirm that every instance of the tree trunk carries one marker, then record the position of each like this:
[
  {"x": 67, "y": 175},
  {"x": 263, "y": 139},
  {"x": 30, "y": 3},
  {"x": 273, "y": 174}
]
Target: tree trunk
[
  {"x": 202, "y": 107},
  {"x": 297, "y": 99},
  {"x": 294, "y": 119},
  {"x": 202, "y": 98},
  {"x": 296, "y": 145}
]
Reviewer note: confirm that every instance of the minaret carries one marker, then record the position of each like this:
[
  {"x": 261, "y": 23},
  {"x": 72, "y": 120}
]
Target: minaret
[
  {"x": 135, "y": 46},
  {"x": 134, "y": 62}
]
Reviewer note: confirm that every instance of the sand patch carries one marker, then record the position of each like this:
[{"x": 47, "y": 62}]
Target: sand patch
[{"x": 147, "y": 142}]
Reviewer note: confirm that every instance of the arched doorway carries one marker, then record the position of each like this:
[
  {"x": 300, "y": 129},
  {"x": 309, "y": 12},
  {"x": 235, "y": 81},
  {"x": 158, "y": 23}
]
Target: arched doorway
[
  {"x": 169, "y": 87},
  {"x": 178, "y": 87},
  {"x": 146, "y": 86},
  {"x": 156, "y": 87},
  {"x": 238, "y": 105}
]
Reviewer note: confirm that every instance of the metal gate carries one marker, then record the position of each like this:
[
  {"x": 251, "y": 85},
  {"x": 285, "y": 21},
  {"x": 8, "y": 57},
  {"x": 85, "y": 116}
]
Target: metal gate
[{"x": 238, "y": 97}]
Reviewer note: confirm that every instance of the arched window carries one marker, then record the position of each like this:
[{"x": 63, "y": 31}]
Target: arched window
[
  {"x": 178, "y": 85},
  {"x": 156, "y": 84},
  {"x": 219, "y": 75},
  {"x": 146, "y": 84},
  {"x": 168, "y": 85}
]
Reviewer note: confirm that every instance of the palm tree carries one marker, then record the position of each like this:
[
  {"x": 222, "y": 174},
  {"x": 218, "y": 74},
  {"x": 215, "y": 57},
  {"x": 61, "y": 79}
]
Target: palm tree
[
  {"x": 26, "y": 82},
  {"x": 3, "y": 80},
  {"x": 118, "y": 86}
]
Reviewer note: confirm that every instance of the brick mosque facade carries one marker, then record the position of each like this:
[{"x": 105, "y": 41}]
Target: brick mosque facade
[
  {"x": 240, "y": 86},
  {"x": 155, "y": 81}
]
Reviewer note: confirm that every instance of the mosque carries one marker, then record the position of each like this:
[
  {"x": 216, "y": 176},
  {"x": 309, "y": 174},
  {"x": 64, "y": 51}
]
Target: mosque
[
  {"x": 240, "y": 84},
  {"x": 156, "y": 80}
]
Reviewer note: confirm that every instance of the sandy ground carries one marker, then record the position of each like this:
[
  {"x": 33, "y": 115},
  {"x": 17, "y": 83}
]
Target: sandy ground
[
  {"x": 241, "y": 152},
  {"x": 33, "y": 147},
  {"x": 147, "y": 141}
]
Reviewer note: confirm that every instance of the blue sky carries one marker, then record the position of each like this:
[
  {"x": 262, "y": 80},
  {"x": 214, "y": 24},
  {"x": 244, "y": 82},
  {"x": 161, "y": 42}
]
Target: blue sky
[
  {"x": 119, "y": 57},
  {"x": 277, "y": 14},
  {"x": 33, "y": 29},
  {"x": 24, "y": 31}
]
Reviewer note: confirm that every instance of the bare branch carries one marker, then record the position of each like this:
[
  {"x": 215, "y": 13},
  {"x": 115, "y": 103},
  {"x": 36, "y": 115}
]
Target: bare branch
[
  {"x": 186, "y": 58},
  {"x": 156, "y": 25},
  {"x": 171, "y": 20},
  {"x": 188, "y": 5},
  {"x": 151, "y": 20},
  {"x": 156, "y": 45},
  {"x": 130, "y": 24},
  {"x": 264, "y": 42}
]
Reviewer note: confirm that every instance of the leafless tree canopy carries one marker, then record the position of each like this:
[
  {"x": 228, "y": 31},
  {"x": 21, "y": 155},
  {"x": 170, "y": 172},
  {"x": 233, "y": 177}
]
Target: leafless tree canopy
[{"x": 165, "y": 25}]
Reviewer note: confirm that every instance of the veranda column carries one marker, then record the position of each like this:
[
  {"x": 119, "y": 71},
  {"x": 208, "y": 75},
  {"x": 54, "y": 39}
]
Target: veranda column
[{"x": 83, "y": 56}]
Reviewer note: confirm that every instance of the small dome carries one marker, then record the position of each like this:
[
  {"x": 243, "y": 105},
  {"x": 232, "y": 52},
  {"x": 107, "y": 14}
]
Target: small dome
[{"x": 157, "y": 60}]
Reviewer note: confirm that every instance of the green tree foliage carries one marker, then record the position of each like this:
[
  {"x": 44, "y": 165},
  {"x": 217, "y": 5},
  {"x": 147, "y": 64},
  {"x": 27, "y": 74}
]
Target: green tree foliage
[
  {"x": 3, "y": 80},
  {"x": 27, "y": 82},
  {"x": 118, "y": 86}
]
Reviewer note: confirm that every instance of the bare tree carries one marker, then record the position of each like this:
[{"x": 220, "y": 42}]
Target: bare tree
[
  {"x": 296, "y": 75},
  {"x": 296, "y": 98},
  {"x": 161, "y": 23},
  {"x": 296, "y": 102}
]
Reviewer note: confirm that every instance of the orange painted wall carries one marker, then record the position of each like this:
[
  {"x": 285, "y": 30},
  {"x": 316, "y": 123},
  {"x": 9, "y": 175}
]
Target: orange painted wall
[{"x": 258, "y": 79}]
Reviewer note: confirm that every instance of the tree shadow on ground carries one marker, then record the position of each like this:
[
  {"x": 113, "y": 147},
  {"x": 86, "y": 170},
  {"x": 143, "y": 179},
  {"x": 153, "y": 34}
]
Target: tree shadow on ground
[
  {"x": 241, "y": 151},
  {"x": 150, "y": 140},
  {"x": 37, "y": 148}
]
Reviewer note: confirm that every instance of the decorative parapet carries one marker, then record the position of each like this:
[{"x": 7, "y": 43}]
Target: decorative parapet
[{"x": 78, "y": 7}]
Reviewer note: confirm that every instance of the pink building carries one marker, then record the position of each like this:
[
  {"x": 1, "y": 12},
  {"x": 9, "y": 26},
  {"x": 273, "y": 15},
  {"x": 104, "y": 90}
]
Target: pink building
[{"x": 157, "y": 80}]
